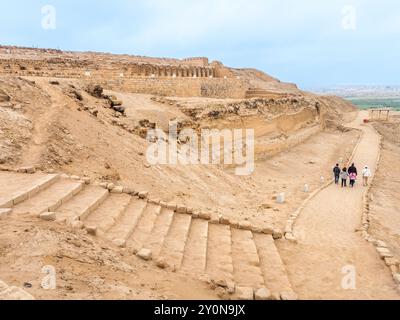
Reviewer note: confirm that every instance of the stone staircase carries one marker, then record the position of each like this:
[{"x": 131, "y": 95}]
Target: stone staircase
[{"x": 188, "y": 242}]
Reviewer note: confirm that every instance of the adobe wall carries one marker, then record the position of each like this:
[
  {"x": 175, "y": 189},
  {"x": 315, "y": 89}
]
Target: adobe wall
[
  {"x": 80, "y": 69},
  {"x": 268, "y": 150},
  {"x": 178, "y": 87},
  {"x": 278, "y": 134}
]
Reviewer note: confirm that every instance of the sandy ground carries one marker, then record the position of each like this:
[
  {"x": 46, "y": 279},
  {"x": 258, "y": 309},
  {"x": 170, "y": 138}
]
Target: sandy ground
[
  {"x": 385, "y": 224},
  {"x": 328, "y": 244}
]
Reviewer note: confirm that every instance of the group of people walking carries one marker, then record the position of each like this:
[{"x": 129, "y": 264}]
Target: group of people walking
[{"x": 350, "y": 174}]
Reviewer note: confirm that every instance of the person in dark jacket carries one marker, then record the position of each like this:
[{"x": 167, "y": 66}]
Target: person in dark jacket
[
  {"x": 352, "y": 169},
  {"x": 336, "y": 172}
]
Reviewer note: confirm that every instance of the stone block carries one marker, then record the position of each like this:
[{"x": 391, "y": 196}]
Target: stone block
[
  {"x": 280, "y": 198},
  {"x": 277, "y": 234},
  {"x": 163, "y": 204},
  {"x": 145, "y": 254},
  {"x": 172, "y": 206},
  {"x": 244, "y": 293},
  {"x": 231, "y": 288},
  {"x": 5, "y": 212},
  {"x": 205, "y": 216},
  {"x": 385, "y": 255},
  {"x": 223, "y": 220},
  {"x": 29, "y": 170},
  {"x": 290, "y": 237},
  {"x": 181, "y": 209},
  {"x": 161, "y": 263},
  {"x": 120, "y": 243},
  {"x": 23, "y": 196},
  {"x": 289, "y": 296},
  {"x": 245, "y": 225},
  {"x": 215, "y": 219},
  {"x": 263, "y": 294},
  {"x": 143, "y": 194},
  {"x": 92, "y": 230},
  {"x": 396, "y": 278},
  {"x": 48, "y": 216},
  {"x": 382, "y": 250},
  {"x": 103, "y": 185},
  {"x": 117, "y": 190},
  {"x": 128, "y": 190},
  {"x": 78, "y": 225},
  {"x": 268, "y": 230},
  {"x": 14, "y": 293},
  {"x": 195, "y": 214},
  {"x": 154, "y": 201},
  {"x": 381, "y": 244},
  {"x": 110, "y": 186},
  {"x": 234, "y": 223}
]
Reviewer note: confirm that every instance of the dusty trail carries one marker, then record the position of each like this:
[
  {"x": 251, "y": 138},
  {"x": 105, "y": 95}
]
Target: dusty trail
[
  {"x": 41, "y": 122},
  {"x": 327, "y": 241}
]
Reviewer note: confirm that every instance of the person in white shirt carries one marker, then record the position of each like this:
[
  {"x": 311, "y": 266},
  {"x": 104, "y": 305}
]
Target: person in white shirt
[{"x": 366, "y": 175}]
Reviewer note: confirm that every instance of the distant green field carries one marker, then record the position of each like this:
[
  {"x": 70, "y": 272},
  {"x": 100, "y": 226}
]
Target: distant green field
[{"x": 376, "y": 103}]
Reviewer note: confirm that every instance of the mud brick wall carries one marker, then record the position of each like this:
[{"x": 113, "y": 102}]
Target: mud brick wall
[{"x": 179, "y": 87}]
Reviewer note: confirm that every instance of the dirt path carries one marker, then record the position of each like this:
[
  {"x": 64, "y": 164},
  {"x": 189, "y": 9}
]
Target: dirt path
[
  {"x": 328, "y": 243},
  {"x": 44, "y": 117}
]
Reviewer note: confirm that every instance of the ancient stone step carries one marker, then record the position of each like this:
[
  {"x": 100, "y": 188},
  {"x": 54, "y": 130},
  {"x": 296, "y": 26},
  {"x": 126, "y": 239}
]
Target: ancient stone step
[
  {"x": 195, "y": 257},
  {"x": 246, "y": 263},
  {"x": 144, "y": 227},
  {"x": 51, "y": 198},
  {"x": 120, "y": 232},
  {"x": 108, "y": 214},
  {"x": 13, "y": 293},
  {"x": 26, "y": 188},
  {"x": 219, "y": 253},
  {"x": 84, "y": 203},
  {"x": 272, "y": 267},
  {"x": 175, "y": 242},
  {"x": 160, "y": 231}
]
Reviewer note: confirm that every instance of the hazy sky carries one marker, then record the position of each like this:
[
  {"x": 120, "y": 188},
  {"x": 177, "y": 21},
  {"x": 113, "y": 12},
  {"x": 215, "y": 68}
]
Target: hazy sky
[{"x": 309, "y": 42}]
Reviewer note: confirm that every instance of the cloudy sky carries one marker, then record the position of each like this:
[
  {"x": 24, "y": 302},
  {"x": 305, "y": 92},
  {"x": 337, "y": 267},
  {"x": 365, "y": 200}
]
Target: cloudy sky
[{"x": 309, "y": 42}]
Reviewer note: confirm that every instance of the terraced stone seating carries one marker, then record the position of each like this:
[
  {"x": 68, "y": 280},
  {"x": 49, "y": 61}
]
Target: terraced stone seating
[{"x": 194, "y": 244}]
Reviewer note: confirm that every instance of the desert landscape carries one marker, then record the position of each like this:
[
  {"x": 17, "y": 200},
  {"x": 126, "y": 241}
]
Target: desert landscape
[{"x": 85, "y": 214}]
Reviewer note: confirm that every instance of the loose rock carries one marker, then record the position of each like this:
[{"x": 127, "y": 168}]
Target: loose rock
[
  {"x": 263, "y": 294},
  {"x": 48, "y": 216},
  {"x": 244, "y": 293},
  {"x": 145, "y": 254}
]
